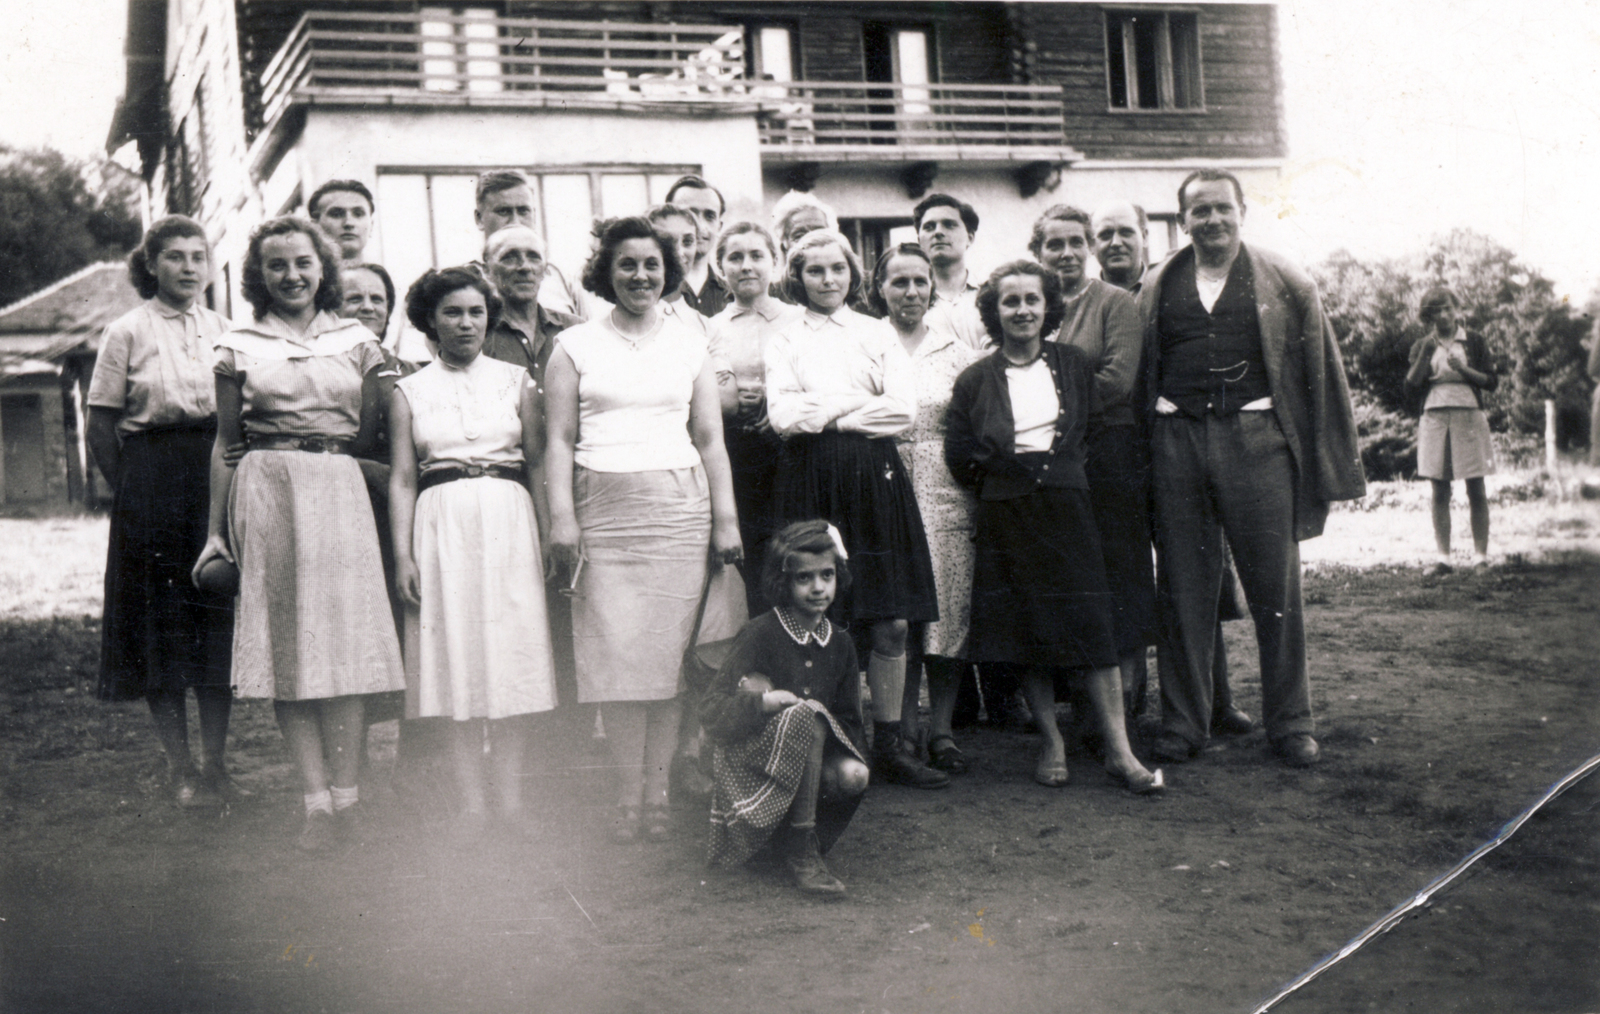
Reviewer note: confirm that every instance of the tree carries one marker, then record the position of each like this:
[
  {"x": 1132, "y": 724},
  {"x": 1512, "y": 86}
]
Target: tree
[
  {"x": 58, "y": 215},
  {"x": 1534, "y": 337}
]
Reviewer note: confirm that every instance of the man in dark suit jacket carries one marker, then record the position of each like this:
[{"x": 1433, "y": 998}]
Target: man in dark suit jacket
[{"x": 1252, "y": 437}]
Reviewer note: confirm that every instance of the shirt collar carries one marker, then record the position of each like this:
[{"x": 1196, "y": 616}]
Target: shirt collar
[
  {"x": 816, "y": 321},
  {"x": 766, "y": 308},
  {"x": 162, "y": 308},
  {"x": 802, "y": 636}
]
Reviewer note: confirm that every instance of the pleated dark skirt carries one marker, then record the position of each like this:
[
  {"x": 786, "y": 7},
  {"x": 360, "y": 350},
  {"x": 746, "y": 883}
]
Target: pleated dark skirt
[
  {"x": 1039, "y": 593},
  {"x": 1118, "y": 469},
  {"x": 862, "y": 487},
  {"x": 159, "y": 631}
]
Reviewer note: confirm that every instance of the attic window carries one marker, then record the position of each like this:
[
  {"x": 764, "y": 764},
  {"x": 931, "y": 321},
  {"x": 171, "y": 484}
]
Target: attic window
[{"x": 1153, "y": 59}]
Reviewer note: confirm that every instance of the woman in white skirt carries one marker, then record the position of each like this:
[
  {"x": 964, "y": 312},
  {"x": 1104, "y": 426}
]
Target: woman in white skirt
[
  {"x": 312, "y": 628},
  {"x": 467, "y": 434},
  {"x": 1452, "y": 365},
  {"x": 640, "y": 491}
]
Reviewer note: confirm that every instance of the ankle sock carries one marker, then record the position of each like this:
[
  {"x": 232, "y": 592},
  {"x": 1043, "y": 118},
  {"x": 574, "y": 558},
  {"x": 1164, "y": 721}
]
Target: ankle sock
[
  {"x": 343, "y": 799},
  {"x": 319, "y": 801}
]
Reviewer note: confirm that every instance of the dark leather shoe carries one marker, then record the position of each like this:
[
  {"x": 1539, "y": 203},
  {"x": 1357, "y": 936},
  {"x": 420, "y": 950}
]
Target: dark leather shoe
[
  {"x": 1172, "y": 748},
  {"x": 1230, "y": 721},
  {"x": 1298, "y": 751},
  {"x": 892, "y": 763},
  {"x": 803, "y": 857}
]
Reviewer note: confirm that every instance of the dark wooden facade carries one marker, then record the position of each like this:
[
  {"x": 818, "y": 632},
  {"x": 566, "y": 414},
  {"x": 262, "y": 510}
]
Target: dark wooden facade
[{"x": 971, "y": 42}]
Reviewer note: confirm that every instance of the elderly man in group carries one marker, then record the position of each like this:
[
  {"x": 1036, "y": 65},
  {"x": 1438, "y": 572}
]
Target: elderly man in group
[
  {"x": 526, "y": 332},
  {"x": 702, "y": 289},
  {"x": 505, "y": 197},
  {"x": 945, "y": 227},
  {"x": 796, "y": 214},
  {"x": 1252, "y": 437},
  {"x": 344, "y": 210},
  {"x": 1121, "y": 236}
]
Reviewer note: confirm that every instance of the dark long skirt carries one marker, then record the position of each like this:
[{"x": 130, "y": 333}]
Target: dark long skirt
[
  {"x": 1118, "y": 469},
  {"x": 160, "y": 632},
  {"x": 1039, "y": 593},
  {"x": 861, "y": 486},
  {"x": 753, "y": 459}
]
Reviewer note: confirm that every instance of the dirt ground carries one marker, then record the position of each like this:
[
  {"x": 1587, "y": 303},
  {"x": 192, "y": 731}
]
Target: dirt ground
[{"x": 1445, "y": 705}]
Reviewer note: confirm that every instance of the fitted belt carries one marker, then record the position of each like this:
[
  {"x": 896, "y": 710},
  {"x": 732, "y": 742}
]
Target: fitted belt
[
  {"x": 315, "y": 445},
  {"x": 511, "y": 473},
  {"x": 1165, "y": 407}
]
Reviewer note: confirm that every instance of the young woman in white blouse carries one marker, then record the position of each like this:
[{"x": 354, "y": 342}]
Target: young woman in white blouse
[
  {"x": 639, "y": 492},
  {"x": 840, "y": 388}
]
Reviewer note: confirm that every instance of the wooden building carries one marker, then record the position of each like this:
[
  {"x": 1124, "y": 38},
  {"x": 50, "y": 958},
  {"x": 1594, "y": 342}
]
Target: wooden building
[
  {"x": 47, "y": 348},
  {"x": 241, "y": 107}
]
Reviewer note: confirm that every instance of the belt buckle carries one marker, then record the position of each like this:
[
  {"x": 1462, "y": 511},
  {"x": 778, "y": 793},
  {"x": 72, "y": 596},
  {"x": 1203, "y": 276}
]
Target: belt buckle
[{"x": 474, "y": 472}]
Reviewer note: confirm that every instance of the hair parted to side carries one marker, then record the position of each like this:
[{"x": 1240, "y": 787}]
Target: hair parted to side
[
  {"x": 141, "y": 270},
  {"x": 880, "y": 272},
  {"x": 254, "y": 283},
  {"x": 1435, "y": 299},
  {"x": 496, "y": 180},
  {"x": 793, "y": 275},
  {"x": 1058, "y": 213},
  {"x": 740, "y": 229},
  {"x": 1208, "y": 176},
  {"x": 427, "y": 292},
  {"x": 790, "y": 541},
  {"x": 1055, "y": 308},
  {"x": 969, "y": 214},
  {"x": 692, "y": 182},
  {"x": 339, "y": 186},
  {"x": 611, "y": 234}
]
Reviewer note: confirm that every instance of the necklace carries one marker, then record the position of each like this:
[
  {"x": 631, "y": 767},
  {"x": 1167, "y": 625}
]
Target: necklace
[{"x": 635, "y": 341}]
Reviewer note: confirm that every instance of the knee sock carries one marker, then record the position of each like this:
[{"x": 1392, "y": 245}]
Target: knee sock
[
  {"x": 319, "y": 801},
  {"x": 886, "y": 677},
  {"x": 343, "y": 799}
]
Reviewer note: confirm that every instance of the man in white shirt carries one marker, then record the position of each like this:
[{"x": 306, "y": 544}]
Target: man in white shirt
[
  {"x": 945, "y": 227},
  {"x": 505, "y": 197}
]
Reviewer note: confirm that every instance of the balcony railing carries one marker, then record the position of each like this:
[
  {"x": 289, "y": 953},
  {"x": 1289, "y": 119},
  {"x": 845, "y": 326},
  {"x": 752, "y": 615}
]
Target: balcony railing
[
  {"x": 376, "y": 55},
  {"x": 802, "y": 115},
  {"x": 462, "y": 57}
]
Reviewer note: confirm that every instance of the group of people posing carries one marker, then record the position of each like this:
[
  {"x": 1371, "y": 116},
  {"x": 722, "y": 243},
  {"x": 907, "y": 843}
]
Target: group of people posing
[{"x": 916, "y": 474}]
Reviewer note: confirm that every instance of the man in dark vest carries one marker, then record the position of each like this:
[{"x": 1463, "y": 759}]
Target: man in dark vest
[{"x": 1252, "y": 436}]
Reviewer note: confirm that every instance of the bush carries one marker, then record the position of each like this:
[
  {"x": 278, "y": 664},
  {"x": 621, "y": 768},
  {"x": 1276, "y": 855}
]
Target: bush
[{"x": 1388, "y": 440}]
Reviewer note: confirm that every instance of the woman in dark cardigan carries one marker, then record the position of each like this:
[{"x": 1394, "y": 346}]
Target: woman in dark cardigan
[
  {"x": 1452, "y": 366},
  {"x": 1016, "y": 436}
]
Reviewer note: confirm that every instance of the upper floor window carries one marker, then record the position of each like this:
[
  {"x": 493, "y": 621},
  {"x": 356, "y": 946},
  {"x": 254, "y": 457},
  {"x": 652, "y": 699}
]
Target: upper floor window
[{"x": 1153, "y": 59}]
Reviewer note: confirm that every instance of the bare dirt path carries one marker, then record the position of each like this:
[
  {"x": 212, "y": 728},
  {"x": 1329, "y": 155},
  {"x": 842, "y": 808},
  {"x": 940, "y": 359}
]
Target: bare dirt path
[{"x": 1444, "y": 707}]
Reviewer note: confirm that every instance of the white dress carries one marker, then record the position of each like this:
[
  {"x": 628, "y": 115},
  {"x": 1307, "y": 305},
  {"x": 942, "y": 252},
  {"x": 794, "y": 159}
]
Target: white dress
[
  {"x": 479, "y": 647},
  {"x": 947, "y": 509}
]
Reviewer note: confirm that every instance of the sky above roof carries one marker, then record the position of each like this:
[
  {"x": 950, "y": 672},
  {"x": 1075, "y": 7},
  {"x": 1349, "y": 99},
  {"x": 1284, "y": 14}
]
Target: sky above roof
[{"x": 1405, "y": 119}]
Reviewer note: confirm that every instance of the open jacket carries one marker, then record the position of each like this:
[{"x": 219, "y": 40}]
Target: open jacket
[
  {"x": 1304, "y": 371},
  {"x": 1477, "y": 358},
  {"x": 980, "y": 438}
]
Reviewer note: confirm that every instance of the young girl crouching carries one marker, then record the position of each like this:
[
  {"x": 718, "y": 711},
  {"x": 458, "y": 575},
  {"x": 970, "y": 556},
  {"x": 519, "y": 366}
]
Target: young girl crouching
[{"x": 785, "y": 716}]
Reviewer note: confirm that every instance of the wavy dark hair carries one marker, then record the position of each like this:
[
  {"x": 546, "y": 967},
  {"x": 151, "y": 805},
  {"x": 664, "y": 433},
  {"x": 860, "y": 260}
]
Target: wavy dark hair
[
  {"x": 1055, "y": 308},
  {"x": 427, "y": 292},
  {"x": 614, "y": 232},
  {"x": 874, "y": 294},
  {"x": 1208, "y": 175},
  {"x": 161, "y": 232},
  {"x": 799, "y": 537},
  {"x": 254, "y": 283},
  {"x": 1059, "y": 213},
  {"x": 794, "y": 271}
]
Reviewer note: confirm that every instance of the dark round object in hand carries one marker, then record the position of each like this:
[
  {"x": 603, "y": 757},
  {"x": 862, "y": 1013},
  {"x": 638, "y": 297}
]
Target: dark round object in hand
[{"x": 219, "y": 577}]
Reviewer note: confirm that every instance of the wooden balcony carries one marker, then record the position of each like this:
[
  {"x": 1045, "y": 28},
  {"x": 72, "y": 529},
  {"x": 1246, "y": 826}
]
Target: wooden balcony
[
  {"x": 831, "y": 121},
  {"x": 444, "y": 60}
]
